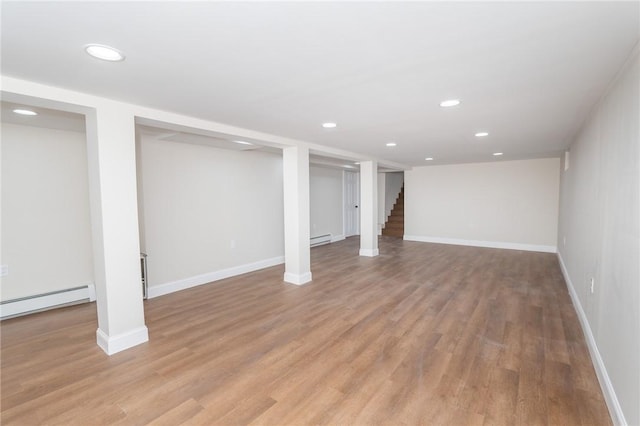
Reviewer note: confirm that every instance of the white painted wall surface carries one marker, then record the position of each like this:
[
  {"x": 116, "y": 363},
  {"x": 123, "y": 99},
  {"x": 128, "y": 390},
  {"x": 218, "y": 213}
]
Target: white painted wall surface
[
  {"x": 599, "y": 237},
  {"x": 393, "y": 185},
  {"x": 209, "y": 209},
  {"x": 505, "y": 204},
  {"x": 325, "y": 197},
  {"x": 46, "y": 229}
]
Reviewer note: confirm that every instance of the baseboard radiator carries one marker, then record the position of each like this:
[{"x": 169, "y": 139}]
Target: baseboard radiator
[
  {"x": 320, "y": 240},
  {"x": 144, "y": 273},
  {"x": 42, "y": 302}
]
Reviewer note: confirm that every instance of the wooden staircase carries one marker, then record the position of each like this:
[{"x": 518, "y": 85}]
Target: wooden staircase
[{"x": 395, "y": 224}]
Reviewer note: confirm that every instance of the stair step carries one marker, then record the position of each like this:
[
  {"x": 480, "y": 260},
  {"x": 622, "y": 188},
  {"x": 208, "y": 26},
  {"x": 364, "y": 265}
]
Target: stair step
[
  {"x": 394, "y": 225},
  {"x": 395, "y": 222},
  {"x": 393, "y": 233}
]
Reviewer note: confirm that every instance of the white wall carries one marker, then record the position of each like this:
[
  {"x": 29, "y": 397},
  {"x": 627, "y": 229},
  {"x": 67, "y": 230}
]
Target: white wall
[
  {"x": 599, "y": 237},
  {"x": 393, "y": 185},
  {"x": 512, "y": 204},
  {"x": 208, "y": 209},
  {"x": 46, "y": 230},
  {"x": 325, "y": 201}
]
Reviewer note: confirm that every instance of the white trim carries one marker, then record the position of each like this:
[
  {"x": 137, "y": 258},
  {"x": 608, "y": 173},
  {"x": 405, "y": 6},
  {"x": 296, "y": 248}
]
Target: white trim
[
  {"x": 477, "y": 243},
  {"x": 47, "y": 301},
  {"x": 297, "y": 279},
  {"x": 114, "y": 344},
  {"x": 182, "y": 284},
  {"x": 369, "y": 252},
  {"x": 337, "y": 238},
  {"x": 615, "y": 411}
]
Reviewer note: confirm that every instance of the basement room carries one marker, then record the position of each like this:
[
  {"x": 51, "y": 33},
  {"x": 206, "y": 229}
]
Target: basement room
[{"x": 320, "y": 213}]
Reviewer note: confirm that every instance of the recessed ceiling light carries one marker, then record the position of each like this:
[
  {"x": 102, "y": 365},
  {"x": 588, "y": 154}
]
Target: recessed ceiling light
[
  {"x": 22, "y": 111},
  {"x": 391, "y": 144},
  {"x": 429, "y": 159},
  {"x": 103, "y": 52},
  {"x": 482, "y": 134},
  {"x": 450, "y": 103},
  {"x": 357, "y": 162},
  {"x": 497, "y": 154},
  {"x": 243, "y": 143},
  {"x": 329, "y": 125}
]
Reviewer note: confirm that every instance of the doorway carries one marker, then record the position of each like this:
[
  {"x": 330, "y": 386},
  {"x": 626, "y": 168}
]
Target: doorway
[{"x": 351, "y": 203}]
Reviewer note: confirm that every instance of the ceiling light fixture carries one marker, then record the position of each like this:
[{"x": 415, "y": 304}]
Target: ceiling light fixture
[
  {"x": 429, "y": 159},
  {"x": 450, "y": 103},
  {"x": 391, "y": 144},
  {"x": 243, "y": 142},
  {"x": 356, "y": 162},
  {"x": 481, "y": 134},
  {"x": 22, "y": 111},
  {"x": 106, "y": 53},
  {"x": 329, "y": 125},
  {"x": 497, "y": 154}
]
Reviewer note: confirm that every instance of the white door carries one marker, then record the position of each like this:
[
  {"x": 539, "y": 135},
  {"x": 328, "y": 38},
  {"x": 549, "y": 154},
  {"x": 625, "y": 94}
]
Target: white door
[{"x": 351, "y": 204}]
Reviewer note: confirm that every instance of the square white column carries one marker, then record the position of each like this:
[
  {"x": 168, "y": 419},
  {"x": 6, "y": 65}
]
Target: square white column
[
  {"x": 111, "y": 153},
  {"x": 382, "y": 217},
  {"x": 369, "y": 208},
  {"x": 297, "y": 251}
]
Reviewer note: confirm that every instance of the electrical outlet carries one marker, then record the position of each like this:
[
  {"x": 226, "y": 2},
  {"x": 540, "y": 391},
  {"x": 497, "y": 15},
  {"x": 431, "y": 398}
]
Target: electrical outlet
[
  {"x": 233, "y": 244},
  {"x": 4, "y": 270},
  {"x": 593, "y": 283}
]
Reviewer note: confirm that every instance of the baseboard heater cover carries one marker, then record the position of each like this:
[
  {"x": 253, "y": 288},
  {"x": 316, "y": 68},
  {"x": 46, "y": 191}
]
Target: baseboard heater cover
[
  {"x": 41, "y": 302},
  {"x": 320, "y": 240}
]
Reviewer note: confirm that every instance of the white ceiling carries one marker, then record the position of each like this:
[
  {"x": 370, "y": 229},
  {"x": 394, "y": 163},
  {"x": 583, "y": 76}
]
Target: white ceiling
[{"x": 528, "y": 73}]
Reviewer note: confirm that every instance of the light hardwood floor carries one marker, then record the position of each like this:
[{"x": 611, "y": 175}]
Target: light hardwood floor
[{"x": 422, "y": 334}]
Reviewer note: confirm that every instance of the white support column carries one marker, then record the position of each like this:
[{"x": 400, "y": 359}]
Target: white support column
[
  {"x": 111, "y": 151},
  {"x": 369, "y": 208},
  {"x": 382, "y": 217},
  {"x": 297, "y": 252}
]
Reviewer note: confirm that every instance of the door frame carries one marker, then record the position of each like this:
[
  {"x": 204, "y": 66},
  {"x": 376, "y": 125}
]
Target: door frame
[{"x": 351, "y": 194}]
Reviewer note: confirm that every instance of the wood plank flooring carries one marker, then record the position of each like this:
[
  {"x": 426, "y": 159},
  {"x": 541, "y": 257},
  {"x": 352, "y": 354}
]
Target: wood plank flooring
[{"x": 422, "y": 334}]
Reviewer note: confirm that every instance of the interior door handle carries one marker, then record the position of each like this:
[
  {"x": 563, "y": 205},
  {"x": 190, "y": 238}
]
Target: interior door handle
[{"x": 356, "y": 207}]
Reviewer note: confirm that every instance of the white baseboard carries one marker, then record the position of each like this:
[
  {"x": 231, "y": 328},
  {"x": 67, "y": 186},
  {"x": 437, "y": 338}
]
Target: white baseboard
[
  {"x": 173, "y": 286},
  {"x": 615, "y": 410},
  {"x": 478, "y": 243},
  {"x": 297, "y": 279},
  {"x": 26, "y": 305},
  {"x": 369, "y": 252},
  {"x": 337, "y": 238},
  {"x": 114, "y": 344}
]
